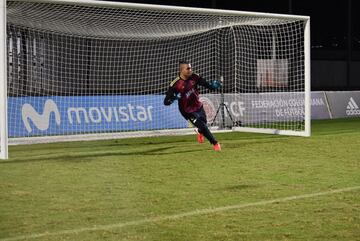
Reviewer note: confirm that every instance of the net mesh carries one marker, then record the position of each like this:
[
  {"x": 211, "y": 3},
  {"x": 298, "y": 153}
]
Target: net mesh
[{"x": 82, "y": 69}]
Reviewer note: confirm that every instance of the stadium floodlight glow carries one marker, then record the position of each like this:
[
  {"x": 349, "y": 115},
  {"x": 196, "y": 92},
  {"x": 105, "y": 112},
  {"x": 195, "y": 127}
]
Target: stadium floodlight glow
[{"x": 81, "y": 69}]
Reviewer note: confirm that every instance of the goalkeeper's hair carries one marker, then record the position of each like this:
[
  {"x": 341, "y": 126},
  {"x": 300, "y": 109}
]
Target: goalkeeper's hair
[{"x": 183, "y": 62}]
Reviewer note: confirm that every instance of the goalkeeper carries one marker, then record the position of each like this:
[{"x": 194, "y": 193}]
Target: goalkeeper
[{"x": 185, "y": 89}]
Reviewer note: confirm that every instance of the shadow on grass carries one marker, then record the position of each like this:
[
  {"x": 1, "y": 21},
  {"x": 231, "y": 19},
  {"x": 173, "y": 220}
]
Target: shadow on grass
[
  {"x": 89, "y": 156},
  {"x": 238, "y": 187},
  {"x": 96, "y": 144}
]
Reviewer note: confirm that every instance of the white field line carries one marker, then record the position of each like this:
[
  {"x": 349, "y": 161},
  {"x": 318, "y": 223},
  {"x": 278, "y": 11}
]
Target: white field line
[{"x": 180, "y": 215}]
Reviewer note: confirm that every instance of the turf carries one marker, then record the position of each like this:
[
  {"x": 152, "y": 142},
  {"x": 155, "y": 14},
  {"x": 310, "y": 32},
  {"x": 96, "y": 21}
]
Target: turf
[{"x": 47, "y": 189}]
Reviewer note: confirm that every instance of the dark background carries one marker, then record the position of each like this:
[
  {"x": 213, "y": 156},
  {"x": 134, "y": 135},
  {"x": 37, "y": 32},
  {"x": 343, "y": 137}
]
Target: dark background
[{"x": 335, "y": 34}]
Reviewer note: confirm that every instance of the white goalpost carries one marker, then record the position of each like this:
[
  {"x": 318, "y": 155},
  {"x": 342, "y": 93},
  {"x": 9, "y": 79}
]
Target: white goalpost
[
  {"x": 86, "y": 69},
  {"x": 3, "y": 82}
]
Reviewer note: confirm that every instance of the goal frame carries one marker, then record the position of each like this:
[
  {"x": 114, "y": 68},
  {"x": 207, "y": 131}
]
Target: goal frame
[
  {"x": 3, "y": 84},
  {"x": 3, "y": 74}
]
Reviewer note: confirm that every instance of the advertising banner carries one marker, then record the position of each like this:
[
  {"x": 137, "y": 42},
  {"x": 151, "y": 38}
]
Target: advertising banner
[
  {"x": 61, "y": 115},
  {"x": 344, "y": 103},
  {"x": 58, "y": 115},
  {"x": 264, "y": 107}
]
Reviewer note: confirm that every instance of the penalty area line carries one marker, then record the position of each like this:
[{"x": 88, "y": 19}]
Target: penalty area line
[{"x": 180, "y": 215}]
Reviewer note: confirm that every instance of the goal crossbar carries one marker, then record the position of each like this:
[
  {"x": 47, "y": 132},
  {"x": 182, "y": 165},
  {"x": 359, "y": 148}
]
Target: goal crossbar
[{"x": 193, "y": 10}]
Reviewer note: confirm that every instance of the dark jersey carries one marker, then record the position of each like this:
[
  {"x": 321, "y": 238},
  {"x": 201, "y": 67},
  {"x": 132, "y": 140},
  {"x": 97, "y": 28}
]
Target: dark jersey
[{"x": 188, "y": 89}]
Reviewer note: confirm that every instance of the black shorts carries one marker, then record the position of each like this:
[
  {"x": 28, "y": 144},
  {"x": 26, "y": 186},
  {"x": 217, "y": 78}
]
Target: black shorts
[{"x": 198, "y": 115}]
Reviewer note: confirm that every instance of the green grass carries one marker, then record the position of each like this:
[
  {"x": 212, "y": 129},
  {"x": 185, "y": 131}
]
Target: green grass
[{"x": 50, "y": 188}]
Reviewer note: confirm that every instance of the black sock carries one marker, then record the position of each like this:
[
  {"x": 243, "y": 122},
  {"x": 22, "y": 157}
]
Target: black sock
[{"x": 203, "y": 129}]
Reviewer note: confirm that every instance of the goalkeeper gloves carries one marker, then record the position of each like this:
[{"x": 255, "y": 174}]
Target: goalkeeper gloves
[{"x": 215, "y": 84}]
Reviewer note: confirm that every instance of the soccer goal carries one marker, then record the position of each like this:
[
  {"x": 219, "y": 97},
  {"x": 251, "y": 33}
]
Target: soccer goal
[{"x": 83, "y": 69}]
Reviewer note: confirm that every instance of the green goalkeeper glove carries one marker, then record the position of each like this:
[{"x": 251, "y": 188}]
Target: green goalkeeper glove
[{"x": 215, "y": 84}]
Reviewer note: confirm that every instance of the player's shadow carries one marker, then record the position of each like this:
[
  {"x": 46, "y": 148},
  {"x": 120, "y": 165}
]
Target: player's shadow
[
  {"x": 70, "y": 146},
  {"x": 84, "y": 157},
  {"x": 150, "y": 152}
]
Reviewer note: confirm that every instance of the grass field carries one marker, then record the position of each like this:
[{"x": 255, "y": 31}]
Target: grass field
[{"x": 260, "y": 187}]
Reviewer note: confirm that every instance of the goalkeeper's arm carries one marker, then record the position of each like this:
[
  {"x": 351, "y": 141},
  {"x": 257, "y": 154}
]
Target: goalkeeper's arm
[
  {"x": 171, "y": 96},
  {"x": 212, "y": 84}
]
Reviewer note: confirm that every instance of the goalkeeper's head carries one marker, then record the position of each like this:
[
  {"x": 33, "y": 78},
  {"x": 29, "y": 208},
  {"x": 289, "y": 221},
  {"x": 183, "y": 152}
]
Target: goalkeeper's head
[{"x": 185, "y": 69}]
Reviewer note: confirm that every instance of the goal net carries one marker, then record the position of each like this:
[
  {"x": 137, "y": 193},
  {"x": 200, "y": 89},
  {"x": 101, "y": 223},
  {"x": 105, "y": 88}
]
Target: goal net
[{"x": 85, "y": 68}]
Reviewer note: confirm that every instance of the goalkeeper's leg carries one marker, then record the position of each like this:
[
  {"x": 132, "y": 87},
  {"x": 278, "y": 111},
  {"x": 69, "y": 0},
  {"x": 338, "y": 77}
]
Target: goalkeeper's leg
[{"x": 198, "y": 119}]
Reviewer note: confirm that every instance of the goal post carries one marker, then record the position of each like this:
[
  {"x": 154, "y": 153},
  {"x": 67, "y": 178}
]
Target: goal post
[
  {"x": 3, "y": 84},
  {"x": 307, "y": 70},
  {"x": 96, "y": 69}
]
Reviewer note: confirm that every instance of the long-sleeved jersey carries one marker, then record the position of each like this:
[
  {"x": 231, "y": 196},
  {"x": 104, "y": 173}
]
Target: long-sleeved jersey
[{"x": 189, "y": 93}]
